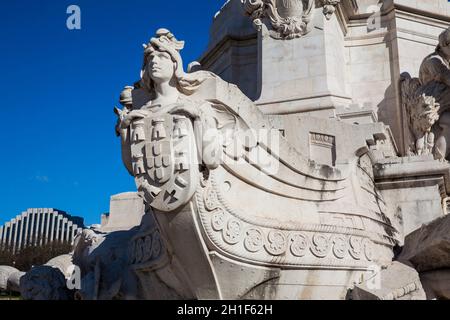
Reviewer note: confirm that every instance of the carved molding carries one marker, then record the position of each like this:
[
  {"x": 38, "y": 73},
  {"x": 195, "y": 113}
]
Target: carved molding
[
  {"x": 261, "y": 243},
  {"x": 322, "y": 139},
  {"x": 404, "y": 291}
]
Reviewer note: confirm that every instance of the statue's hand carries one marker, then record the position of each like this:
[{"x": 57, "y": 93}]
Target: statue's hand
[
  {"x": 131, "y": 116},
  {"x": 190, "y": 110}
]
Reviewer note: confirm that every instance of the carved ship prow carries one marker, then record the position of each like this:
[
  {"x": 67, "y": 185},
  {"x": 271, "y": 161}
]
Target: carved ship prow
[{"x": 266, "y": 223}]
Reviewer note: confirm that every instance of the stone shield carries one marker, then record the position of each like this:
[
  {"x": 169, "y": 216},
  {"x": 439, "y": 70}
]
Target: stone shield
[{"x": 165, "y": 160}]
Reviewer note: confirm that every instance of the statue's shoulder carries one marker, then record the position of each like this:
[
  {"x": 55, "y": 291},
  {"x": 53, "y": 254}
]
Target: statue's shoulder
[{"x": 432, "y": 60}]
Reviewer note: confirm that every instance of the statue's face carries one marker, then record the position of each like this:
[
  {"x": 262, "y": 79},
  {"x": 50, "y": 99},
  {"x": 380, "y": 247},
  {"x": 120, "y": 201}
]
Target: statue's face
[{"x": 161, "y": 67}]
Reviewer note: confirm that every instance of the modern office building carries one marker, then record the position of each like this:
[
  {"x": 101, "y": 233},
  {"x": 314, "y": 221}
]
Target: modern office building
[{"x": 38, "y": 227}]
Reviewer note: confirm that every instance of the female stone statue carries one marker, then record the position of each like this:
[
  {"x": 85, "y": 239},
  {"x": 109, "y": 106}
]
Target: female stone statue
[{"x": 164, "y": 89}]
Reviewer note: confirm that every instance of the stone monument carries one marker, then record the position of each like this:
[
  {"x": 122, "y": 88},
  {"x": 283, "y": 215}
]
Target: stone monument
[{"x": 296, "y": 160}]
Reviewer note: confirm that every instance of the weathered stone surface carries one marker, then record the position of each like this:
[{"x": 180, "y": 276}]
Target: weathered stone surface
[
  {"x": 290, "y": 191},
  {"x": 428, "y": 248},
  {"x": 9, "y": 278},
  {"x": 415, "y": 188},
  {"x": 126, "y": 211},
  {"x": 64, "y": 263},
  {"x": 339, "y": 68},
  {"x": 242, "y": 187},
  {"x": 436, "y": 284},
  {"x": 395, "y": 282},
  {"x": 44, "y": 283}
]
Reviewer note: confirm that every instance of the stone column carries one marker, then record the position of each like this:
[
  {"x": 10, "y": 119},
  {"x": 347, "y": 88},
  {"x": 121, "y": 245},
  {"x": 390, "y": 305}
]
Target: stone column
[
  {"x": 42, "y": 226},
  {"x": 68, "y": 231},
  {"x": 32, "y": 223},
  {"x": 72, "y": 236},
  {"x": 22, "y": 221},
  {"x": 47, "y": 224},
  {"x": 27, "y": 223},
  {"x": 6, "y": 233},
  {"x": 58, "y": 226},
  {"x": 37, "y": 222},
  {"x": 23, "y": 230},
  {"x": 52, "y": 227},
  {"x": 16, "y": 233},
  {"x": 63, "y": 230},
  {"x": 11, "y": 233},
  {"x": 1, "y": 237}
]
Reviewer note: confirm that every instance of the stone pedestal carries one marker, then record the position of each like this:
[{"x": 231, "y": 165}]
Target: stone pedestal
[
  {"x": 415, "y": 188},
  {"x": 346, "y": 67},
  {"x": 304, "y": 74},
  {"x": 126, "y": 211}
]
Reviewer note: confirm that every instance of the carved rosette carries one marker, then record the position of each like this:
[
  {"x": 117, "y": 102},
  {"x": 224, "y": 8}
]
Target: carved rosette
[
  {"x": 254, "y": 240},
  {"x": 356, "y": 248},
  {"x": 276, "y": 243},
  {"x": 321, "y": 245},
  {"x": 299, "y": 244},
  {"x": 340, "y": 246},
  {"x": 231, "y": 233},
  {"x": 289, "y": 19}
]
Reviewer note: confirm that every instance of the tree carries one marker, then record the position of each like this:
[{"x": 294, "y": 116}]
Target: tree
[{"x": 33, "y": 254}]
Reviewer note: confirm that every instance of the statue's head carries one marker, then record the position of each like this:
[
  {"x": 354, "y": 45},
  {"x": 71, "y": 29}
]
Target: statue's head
[
  {"x": 162, "y": 60},
  {"x": 163, "y": 63},
  {"x": 444, "y": 43}
]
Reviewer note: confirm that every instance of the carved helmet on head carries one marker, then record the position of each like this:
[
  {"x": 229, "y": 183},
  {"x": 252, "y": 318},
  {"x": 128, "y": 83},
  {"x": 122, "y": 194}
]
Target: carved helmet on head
[{"x": 163, "y": 41}]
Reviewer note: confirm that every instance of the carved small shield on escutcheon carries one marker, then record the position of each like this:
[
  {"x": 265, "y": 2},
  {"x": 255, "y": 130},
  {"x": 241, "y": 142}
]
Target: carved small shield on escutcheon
[
  {"x": 170, "y": 157},
  {"x": 158, "y": 160}
]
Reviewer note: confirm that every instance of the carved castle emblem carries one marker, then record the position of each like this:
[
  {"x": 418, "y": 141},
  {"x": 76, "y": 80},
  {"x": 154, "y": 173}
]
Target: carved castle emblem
[
  {"x": 289, "y": 19},
  {"x": 164, "y": 160}
]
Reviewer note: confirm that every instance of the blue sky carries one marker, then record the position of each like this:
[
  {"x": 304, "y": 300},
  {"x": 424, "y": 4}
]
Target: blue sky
[{"x": 58, "y": 88}]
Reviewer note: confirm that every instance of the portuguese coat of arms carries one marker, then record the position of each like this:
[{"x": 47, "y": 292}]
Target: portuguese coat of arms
[{"x": 164, "y": 159}]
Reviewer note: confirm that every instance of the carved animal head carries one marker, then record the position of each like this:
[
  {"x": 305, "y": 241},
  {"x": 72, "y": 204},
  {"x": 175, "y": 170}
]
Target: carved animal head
[{"x": 424, "y": 113}]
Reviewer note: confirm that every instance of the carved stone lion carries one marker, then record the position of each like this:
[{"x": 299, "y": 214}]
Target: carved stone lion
[
  {"x": 423, "y": 112},
  {"x": 426, "y": 100}
]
